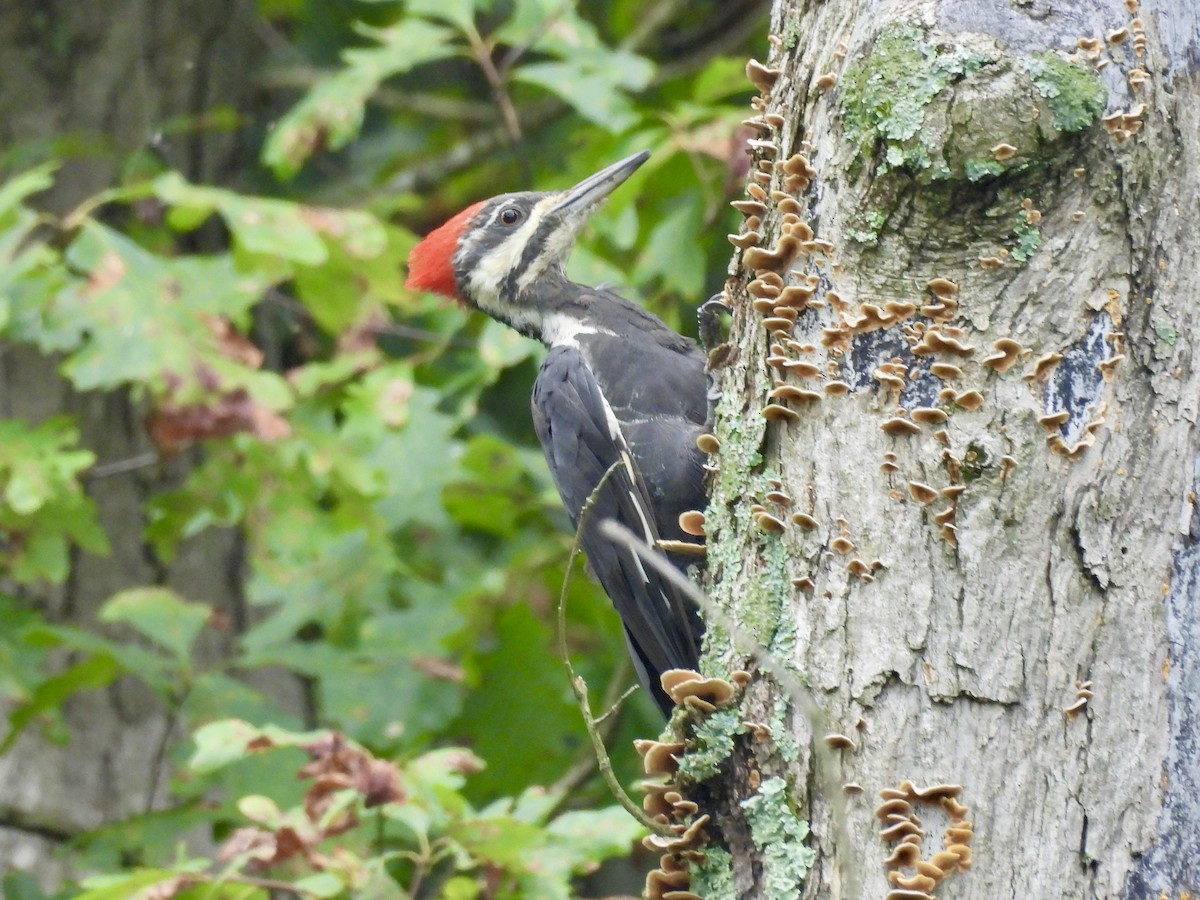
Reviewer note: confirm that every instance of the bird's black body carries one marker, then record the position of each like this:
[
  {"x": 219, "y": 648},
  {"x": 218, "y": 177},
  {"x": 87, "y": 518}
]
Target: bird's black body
[
  {"x": 618, "y": 402},
  {"x": 650, "y": 382}
]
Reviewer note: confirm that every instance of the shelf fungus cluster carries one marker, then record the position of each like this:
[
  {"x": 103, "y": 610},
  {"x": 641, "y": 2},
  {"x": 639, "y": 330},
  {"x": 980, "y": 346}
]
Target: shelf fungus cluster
[
  {"x": 1042, "y": 367},
  {"x": 1108, "y": 367},
  {"x": 1058, "y": 444},
  {"x": 670, "y": 881},
  {"x": 911, "y": 875},
  {"x": 1083, "y": 693},
  {"x": 664, "y": 801},
  {"x": 761, "y": 76},
  {"x": 1005, "y": 354},
  {"x": 1124, "y": 125},
  {"x": 944, "y": 518}
]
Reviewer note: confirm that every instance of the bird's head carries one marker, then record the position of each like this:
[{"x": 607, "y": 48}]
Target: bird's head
[{"x": 492, "y": 253}]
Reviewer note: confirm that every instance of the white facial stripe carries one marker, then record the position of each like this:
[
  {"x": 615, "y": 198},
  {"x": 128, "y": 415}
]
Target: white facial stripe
[
  {"x": 557, "y": 248},
  {"x": 486, "y": 278}
]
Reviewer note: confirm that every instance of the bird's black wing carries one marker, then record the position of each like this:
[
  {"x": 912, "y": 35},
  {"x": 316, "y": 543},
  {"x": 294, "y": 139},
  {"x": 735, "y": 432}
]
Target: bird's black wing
[{"x": 582, "y": 440}]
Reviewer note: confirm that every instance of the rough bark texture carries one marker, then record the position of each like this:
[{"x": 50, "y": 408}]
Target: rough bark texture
[
  {"x": 108, "y": 76},
  {"x": 945, "y": 604}
]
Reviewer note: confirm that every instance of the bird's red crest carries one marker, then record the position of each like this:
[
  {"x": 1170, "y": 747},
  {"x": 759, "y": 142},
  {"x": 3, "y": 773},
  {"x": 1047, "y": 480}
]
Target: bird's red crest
[{"x": 429, "y": 263}]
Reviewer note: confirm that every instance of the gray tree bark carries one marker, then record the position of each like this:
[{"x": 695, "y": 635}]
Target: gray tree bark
[
  {"x": 966, "y": 543},
  {"x": 108, "y": 76}
]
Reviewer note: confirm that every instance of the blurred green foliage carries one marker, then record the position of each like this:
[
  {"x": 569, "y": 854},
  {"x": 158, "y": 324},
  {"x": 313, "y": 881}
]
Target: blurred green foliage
[{"x": 406, "y": 549}]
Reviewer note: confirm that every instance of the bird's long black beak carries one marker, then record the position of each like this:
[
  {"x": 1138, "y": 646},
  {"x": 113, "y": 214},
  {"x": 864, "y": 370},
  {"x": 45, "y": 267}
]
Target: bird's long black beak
[{"x": 588, "y": 194}]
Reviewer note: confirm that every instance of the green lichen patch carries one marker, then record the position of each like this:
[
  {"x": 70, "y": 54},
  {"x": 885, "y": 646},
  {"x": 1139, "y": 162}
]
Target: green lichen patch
[
  {"x": 1074, "y": 93},
  {"x": 712, "y": 744},
  {"x": 884, "y": 94},
  {"x": 1165, "y": 331},
  {"x": 1027, "y": 237},
  {"x": 978, "y": 169},
  {"x": 712, "y": 879},
  {"x": 778, "y": 834},
  {"x": 864, "y": 228}
]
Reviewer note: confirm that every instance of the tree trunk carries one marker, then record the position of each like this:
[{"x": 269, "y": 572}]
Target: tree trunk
[
  {"x": 976, "y": 550},
  {"x": 108, "y": 76}
]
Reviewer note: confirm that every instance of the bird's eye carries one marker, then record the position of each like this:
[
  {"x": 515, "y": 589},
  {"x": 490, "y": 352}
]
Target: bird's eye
[{"x": 510, "y": 216}]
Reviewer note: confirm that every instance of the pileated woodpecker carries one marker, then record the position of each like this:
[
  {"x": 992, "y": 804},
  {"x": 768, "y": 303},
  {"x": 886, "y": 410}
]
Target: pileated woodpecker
[{"x": 617, "y": 388}]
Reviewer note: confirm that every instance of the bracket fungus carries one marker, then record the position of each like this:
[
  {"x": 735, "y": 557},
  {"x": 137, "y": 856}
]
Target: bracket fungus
[
  {"x": 777, "y": 259},
  {"x": 841, "y": 545},
  {"x": 684, "y": 684},
  {"x": 744, "y": 241},
  {"x": 922, "y": 493},
  {"x": 861, "y": 569},
  {"x": 1003, "y": 151},
  {"x": 840, "y": 742},
  {"x": 969, "y": 400},
  {"x": 1083, "y": 693},
  {"x": 1108, "y": 366},
  {"x": 928, "y": 415},
  {"x": 769, "y": 523},
  {"x": 778, "y": 324},
  {"x": 659, "y": 757},
  {"x": 1008, "y": 351},
  {"x": 935, "y": 340},
  {"x": 761, "y": 76},
  {"x": 805, "y": 521},
  {"x": 758, "y": 123},
  {"x": 897, "y": 426},
  {"x": 683, "y": 548},
  {"x": 1055, "y": 420},
  {"x": 946, "y": 371},
  {"x": 671, "y": 876},
  {"x": 761, "y": 147},
  {"x": 1043, "y": 366},
  {"x": 776, "y": 412},
  {"x": 686, "y": 838},
  {"x": 750, "y": 207},
  {"x": 902, "y": 827},
  {"x": 692, "y": 522}
]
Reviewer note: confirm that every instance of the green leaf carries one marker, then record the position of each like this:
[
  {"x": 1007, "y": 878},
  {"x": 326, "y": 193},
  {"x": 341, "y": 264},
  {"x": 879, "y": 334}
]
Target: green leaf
[
  {"x": 91, "y": 674},
  {"x": 21, "y": 187},
  {"x": 125, "y": 886},
  {"x": 521, "y": 689},
  {"x": 460, "y": 887},
  {"x": 460, "y": 13},
  {"x": 160, "y": 615},
  {"x": 501, "y": 840},
  {"x": 219, "y": 744},
  {"x": 44, "y": 508},
  {"x": 721, "y": 79},
  {"x": 593, "y": 83},
  {"x": 501, "y": 347},
  {"x": 274, "y": 228},
  {"x": 673, "y": 252},
  {"x": 381, "y": 693},
  {"x": 322, "y": 884},
  {"x": 331, "y": 114},
  {"x": 146, "y": 319}
]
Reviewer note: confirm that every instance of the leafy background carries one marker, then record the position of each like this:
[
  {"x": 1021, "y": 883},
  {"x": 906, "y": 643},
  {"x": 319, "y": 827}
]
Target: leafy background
[{"x": 404, "y": 547}]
